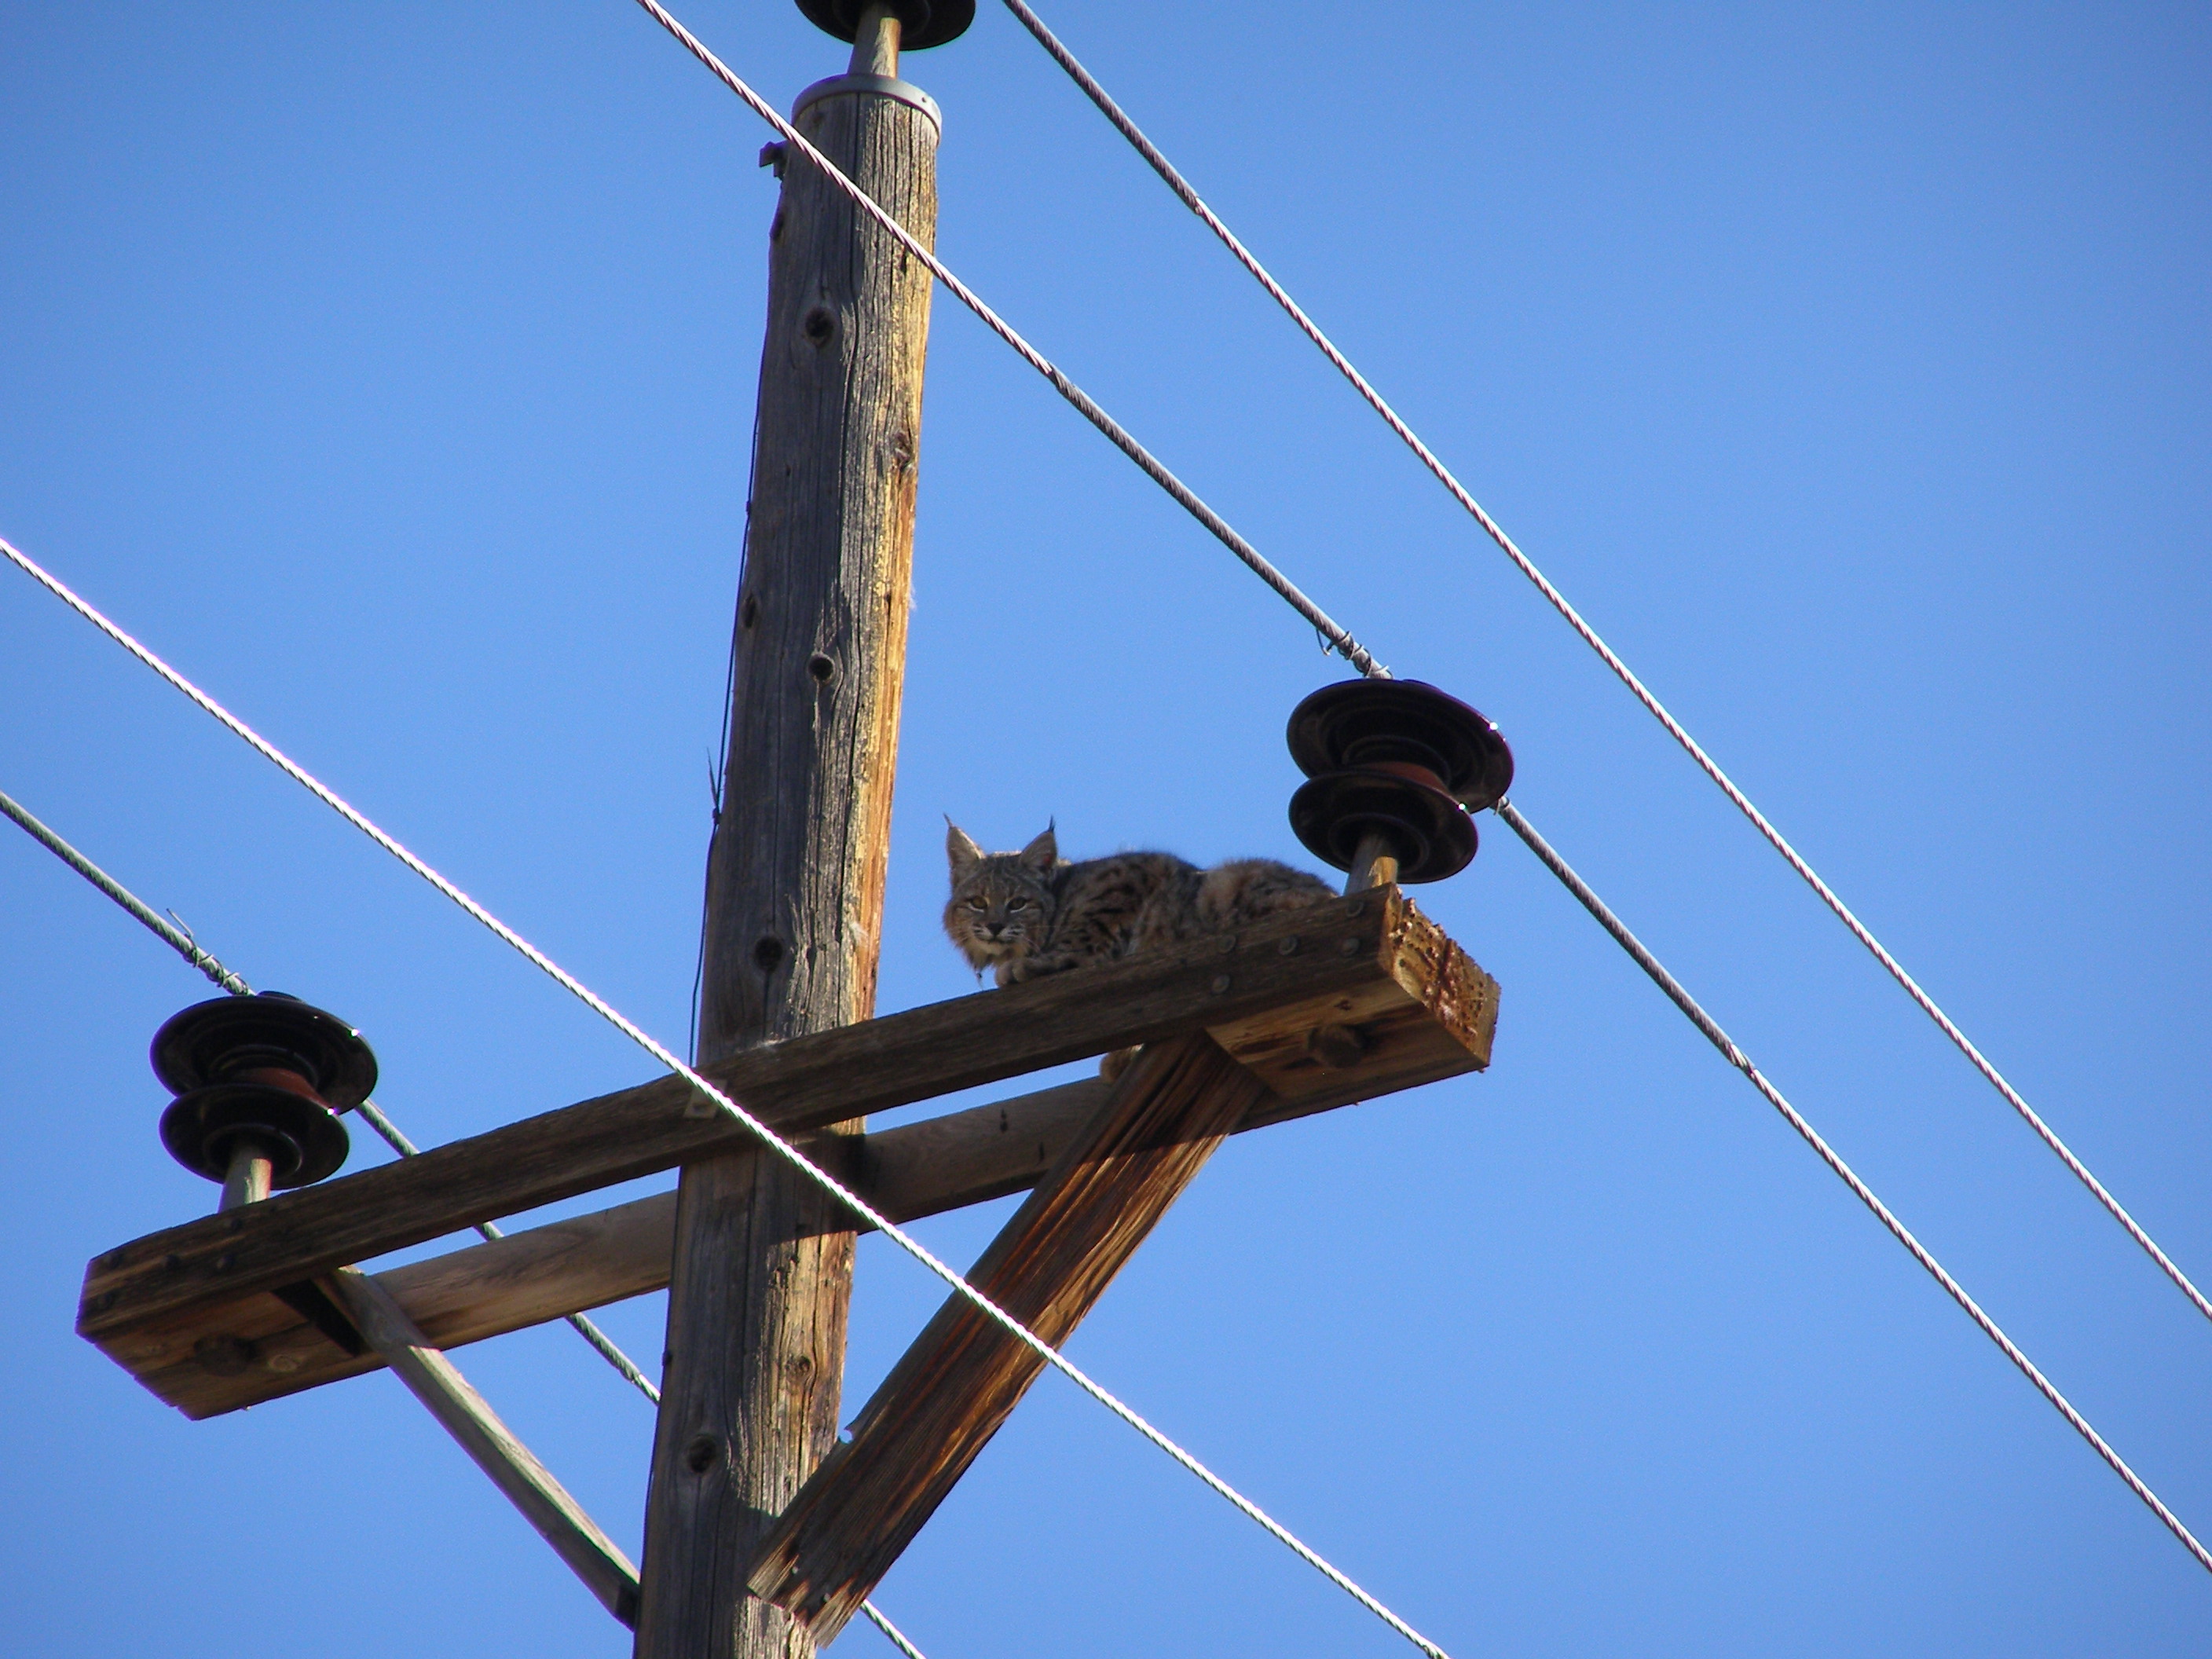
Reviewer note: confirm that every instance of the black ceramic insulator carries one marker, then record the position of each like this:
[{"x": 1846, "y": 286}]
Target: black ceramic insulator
[
  {"x": 302, "y": 1137},
  {"x": 1429, "y": 833},
  {"x": 922, "y": 23},
  {"x": 1371, "y": 722},
  {"x": 219, "y": 1040}
]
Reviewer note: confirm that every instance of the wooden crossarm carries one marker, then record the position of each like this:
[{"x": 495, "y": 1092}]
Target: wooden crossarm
[
  {"x": 964, "y": 1374},
  {"x": 204, "y": 1331},
  {"x": 262, "y": 1350}
]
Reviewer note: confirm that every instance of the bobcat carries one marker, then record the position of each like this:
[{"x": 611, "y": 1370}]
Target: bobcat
[{"x": 1031, "y": 913}]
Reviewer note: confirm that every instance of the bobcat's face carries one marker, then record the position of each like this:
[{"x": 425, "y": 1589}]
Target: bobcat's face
[
  {"x": 1002, "y": 903},
  {"x": 998, "y": 916}
]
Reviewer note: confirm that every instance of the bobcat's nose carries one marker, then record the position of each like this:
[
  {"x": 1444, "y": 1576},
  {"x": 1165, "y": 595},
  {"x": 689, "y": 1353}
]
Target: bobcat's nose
[{"x": 995, "y": 928}]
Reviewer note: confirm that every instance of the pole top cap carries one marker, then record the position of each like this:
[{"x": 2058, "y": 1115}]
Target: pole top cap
[{"x": 922, "y": 23}]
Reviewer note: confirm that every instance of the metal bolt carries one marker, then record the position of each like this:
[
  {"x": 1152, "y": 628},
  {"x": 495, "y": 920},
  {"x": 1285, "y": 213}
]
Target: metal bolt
[
  {"x": 1220, "y": 984},
  {"x": 1349, "y": 947},
  {"x": 1226, "y": 943},
  {"x": 1287, "y": 947}
]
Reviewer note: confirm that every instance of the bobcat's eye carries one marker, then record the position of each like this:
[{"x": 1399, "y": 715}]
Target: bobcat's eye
[
  {"x": 1017, "y": 904},
  {"x": 977, "y": 904}
]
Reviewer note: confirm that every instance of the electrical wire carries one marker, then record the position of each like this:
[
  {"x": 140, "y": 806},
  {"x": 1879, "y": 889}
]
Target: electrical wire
[
  {"x": 961, "y": 1287},
  {"x": 768, "y": 1137},
  {"x": 1190, "y": 198},
  {"x": 183, "y": 942},
  {"x": 177, "y": 939},
  {"x": 1332, "y": 632},
  {"x": 1828, "y": 1155},
  {"x": 1324, "y": 625},
  {"x": 1343, "y": 641},
  {"x": 1118, "y": 434},
  {"x": 897, "y": 1638},
  {"x": 584, "y": 1326}
]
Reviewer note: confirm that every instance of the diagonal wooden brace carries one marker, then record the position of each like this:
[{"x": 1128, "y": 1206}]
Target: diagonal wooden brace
[
  {"x": 462, "y": 1411},
  {"x": 964, "y": 1374}
]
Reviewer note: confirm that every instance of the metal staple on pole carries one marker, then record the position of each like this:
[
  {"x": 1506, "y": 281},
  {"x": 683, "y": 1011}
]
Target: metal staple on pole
[{"x": 1190, "y": 198}]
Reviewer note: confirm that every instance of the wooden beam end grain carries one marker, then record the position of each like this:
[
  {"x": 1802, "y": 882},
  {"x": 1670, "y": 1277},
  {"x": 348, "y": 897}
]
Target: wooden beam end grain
[{"x": 1427, "y": 1011}]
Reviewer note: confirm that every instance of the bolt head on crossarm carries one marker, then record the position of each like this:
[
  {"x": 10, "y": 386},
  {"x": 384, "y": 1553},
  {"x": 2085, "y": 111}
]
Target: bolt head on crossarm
[{"x": 922, "y": 23}]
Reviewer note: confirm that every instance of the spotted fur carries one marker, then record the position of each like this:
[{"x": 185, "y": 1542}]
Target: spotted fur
[{"x": 1027, "y": 913}]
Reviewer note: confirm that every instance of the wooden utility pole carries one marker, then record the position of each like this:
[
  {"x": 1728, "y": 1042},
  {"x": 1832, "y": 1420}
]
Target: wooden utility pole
[
  {"x": 764, "y": 1534},
  {"x": 762, "y": 1273}
]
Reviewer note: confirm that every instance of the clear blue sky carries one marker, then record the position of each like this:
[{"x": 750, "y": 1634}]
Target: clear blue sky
[{"x": 391, "y": 370}]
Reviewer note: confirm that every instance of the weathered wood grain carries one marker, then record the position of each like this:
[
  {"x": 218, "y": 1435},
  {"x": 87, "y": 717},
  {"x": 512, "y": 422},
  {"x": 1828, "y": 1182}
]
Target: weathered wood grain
[
  {"x": 964, "y": 1374},
  {"x": 1430, "y": 1010},
  {"x": 547, "y": 1273},
  {"x": 1430, "y": 1013},
  {"x": 525, "y": 1279},
  {"x": 491, "y": 1445},
  {"x": 763, "y": 1270}
]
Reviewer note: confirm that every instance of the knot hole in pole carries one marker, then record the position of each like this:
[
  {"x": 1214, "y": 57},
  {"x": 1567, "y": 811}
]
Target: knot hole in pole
[{"x": 702, "y": 1453}]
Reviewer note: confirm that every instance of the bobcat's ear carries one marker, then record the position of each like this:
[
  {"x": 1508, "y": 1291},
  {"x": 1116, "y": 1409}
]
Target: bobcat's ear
[
  {"x": 960, "y": 850},
  {"x": 1043, "y": 854}
]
